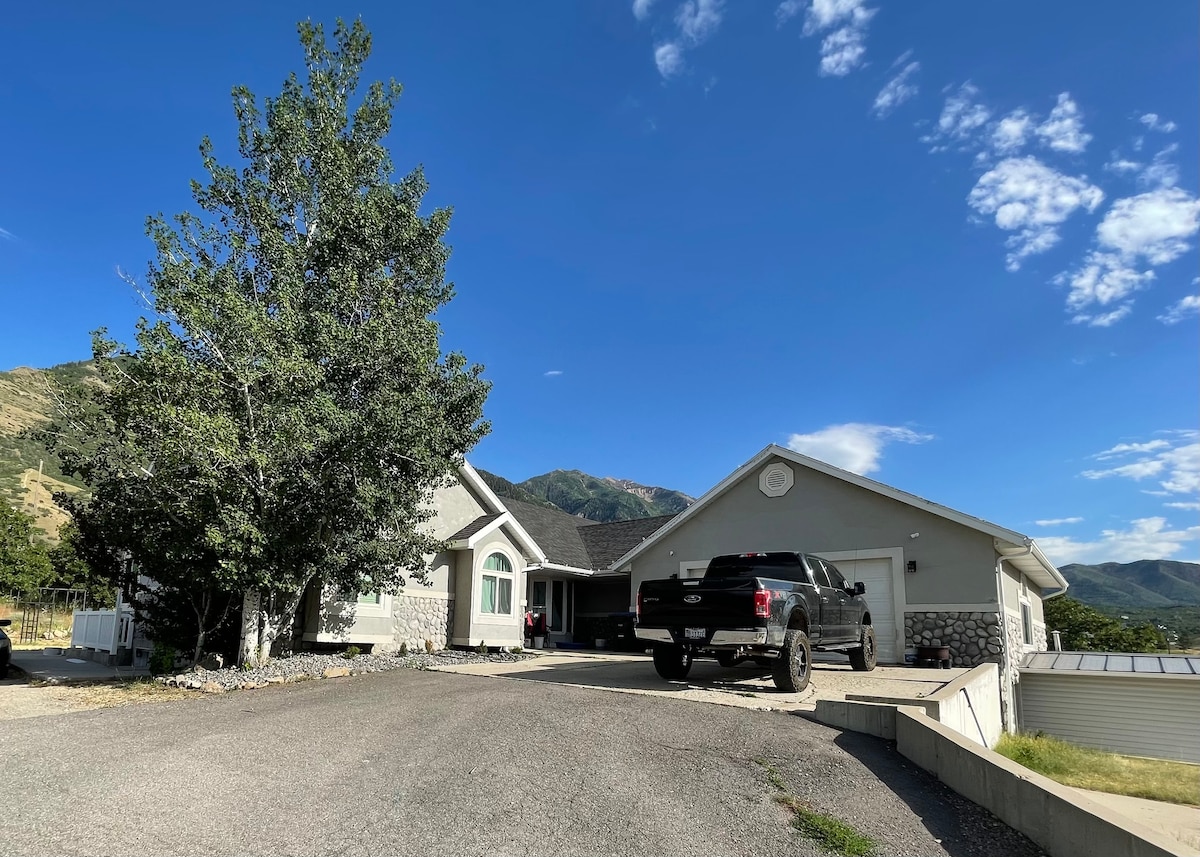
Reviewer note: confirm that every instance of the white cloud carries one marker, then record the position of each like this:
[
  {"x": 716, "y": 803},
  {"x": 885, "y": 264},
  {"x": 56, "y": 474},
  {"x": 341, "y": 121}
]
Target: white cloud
[
  {"x": 699, "y": 19},
  {"x": 1187, "y": 507},
  {"x": 696, "y": 21},
  {"x": 961, "y": 119},
  {"x": 552, "y": 373},
  {"x": 1160, "y": 172},
  {"x": 1030, "y": 199},
  {"x": 6, "y": 235},
  {"x": 1056, "y": 522},
  {"x": 1174, "y": 461},
  {"x": 1147, "y": 538},
  {"x": 1157, "y": 225},
  {"x": 856, "y": 447},
  {"x": 1119, "y": 164},
  {"x": 1151, "y": 121},
  {"x": 1149, "y": 229},
  {"x": 1103, "y": 319},
  {"x": 896, "y": 91},
  {"x": 844, "y": 49},
  {"x": 1010, "y": 133},
  {"x": 1128, "y": 448},
  {"x": 641, "y": 9},
  {"x": 1186, "y": 307},
  {"x": 668, "y": 58},
  {"x": 1063, "y": 130},
  {"x": 787, "y": 10}
]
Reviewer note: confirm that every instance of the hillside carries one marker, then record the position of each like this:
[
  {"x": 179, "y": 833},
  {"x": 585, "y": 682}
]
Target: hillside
[
  {"x": 1149, "y": 583},
  {"x": 25, "y": 402},
  {"x": 596, "y": 498}
]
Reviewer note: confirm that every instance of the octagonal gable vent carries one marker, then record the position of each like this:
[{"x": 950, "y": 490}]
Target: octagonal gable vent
[{"x": 776, "y": 479}]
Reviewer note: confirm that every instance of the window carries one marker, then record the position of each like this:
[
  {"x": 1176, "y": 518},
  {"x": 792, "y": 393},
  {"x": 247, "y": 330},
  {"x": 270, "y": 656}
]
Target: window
[
  {"x": 1027, "y": 623},
  {"x": 820, "y": 578},
  {"x": 835, "y": 577},
  {"x": 495, "y": 592},
  {"x": 368, "y": 598}
]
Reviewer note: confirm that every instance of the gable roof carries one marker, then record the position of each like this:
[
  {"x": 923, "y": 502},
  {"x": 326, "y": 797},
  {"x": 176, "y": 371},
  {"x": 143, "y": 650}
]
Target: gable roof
[
  {"x": 1020, "y": 551},
  {"x": 474, "y": 527},
  {"x": 499, "y": 516}
]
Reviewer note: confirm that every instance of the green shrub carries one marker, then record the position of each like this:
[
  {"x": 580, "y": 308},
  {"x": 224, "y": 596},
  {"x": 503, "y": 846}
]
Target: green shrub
[
  {"x": 351, "y": 652},
  {"x": 403, "y": 650},
  {"x": 162, "y": 659},
  {"x": 482, "y": 648}
]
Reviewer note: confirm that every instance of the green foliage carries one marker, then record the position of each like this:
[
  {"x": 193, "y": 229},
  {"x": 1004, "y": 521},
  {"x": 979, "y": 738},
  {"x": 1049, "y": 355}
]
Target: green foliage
[
  {"x": 351, "y": 652},
  {"x": 1087, "y": 768},
  {"x": 482, "y": 648},
  {"x": 1132, "y": 585},
  {"x": 1084, "y": 629},
  {"x": 24, "y": 561},
  {"x": 76, "y": 566},
  {"x": 286, "y": 410},
  {"x": 577, "y": 493},
  {"x": 162, "y": 658},
  {"x": 829, "y": 833},
  {"x": 403, "y": 650}
]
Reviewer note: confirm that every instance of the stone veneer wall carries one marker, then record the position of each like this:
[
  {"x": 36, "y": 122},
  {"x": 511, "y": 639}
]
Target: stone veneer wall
[
  {"x": 415, "y": 620},
  {"x": 973, "y": 638}
]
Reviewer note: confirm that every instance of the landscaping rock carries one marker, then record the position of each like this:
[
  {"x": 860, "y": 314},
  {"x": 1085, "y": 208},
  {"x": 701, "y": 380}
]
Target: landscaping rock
[
  {"x": 336, "y": 672},
  {"x": 211, "y": 687}
]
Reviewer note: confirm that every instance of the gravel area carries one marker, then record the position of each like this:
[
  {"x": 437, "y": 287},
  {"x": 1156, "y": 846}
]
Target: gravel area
[{"x": 313, "y": 665}]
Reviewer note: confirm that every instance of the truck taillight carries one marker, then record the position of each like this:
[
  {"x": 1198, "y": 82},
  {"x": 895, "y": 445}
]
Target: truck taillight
[
  {"x": 762, "y": 602},
  {"x": 638, "y": 615}
]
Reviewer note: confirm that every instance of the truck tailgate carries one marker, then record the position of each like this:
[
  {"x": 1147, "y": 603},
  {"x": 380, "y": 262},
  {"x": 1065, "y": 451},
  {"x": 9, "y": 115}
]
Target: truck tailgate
[{"x": 720, "y": 603}]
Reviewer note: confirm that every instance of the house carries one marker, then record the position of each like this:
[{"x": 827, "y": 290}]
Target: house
[
  {"x": 504, "y": 558},
  {"x": 934, "y": 576},
  {"x": 1137, "y": 705}
]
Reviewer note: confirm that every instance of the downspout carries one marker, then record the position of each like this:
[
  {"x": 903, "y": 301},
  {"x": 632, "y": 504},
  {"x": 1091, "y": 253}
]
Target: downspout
[{"x": 1006, "y": 682}]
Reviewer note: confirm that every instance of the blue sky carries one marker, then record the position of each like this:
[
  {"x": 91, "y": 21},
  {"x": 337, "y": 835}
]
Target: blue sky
[{"x": 950, "y": 246}]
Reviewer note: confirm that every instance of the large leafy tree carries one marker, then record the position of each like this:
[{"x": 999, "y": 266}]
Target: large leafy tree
[
  {"x": 287, "y": 408},
  {"x": 1085, "y": 629},
  {"x": 24, "y": 564}
]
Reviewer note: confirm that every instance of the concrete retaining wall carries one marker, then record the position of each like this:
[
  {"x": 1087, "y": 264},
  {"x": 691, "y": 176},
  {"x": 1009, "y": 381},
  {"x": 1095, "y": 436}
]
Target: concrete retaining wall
[
  {"x": 1059, "y": 819},
  {"x": 970, "y": 705}
]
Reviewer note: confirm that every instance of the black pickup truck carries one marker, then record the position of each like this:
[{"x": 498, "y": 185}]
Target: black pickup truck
[{"x": 774, "y": 608}]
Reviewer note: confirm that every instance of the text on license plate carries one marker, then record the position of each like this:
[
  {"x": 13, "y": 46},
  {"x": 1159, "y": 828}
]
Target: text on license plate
[{"x": 695, "y": 633}]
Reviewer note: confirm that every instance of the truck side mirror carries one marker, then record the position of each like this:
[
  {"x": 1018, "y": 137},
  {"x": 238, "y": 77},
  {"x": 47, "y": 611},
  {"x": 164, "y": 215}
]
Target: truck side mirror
[{"x": 860, "y": 588}]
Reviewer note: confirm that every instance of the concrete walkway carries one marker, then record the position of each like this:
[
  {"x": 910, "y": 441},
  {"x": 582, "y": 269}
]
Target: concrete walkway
[
  {"x": 1180, "y": 822},
  {"x": 58, "y": 669}
]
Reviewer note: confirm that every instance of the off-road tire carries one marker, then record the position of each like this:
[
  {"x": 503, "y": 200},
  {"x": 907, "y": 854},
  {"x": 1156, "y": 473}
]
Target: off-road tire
[
  {"x": 863, "y": 657},
  {"x": 793, "y": 667},
  {"x": 729, "y": 659},
  {"x": 672, "y": 662}
]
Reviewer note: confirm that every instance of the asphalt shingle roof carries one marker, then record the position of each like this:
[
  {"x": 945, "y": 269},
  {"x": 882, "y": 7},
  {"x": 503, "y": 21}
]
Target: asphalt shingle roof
[
  {"x": 473, "y": 527},
  {"x": 579, "y": 542}
]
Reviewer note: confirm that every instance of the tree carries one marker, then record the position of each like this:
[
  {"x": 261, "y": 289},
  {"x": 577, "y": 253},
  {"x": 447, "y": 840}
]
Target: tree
[
  {"x": 1083, "y": 629},
  {"x": 287, "y": 409},
  {"x": 24, "y": 565}
]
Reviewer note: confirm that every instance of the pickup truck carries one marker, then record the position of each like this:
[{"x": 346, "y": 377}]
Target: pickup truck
[{"x": 773, "y": 608}]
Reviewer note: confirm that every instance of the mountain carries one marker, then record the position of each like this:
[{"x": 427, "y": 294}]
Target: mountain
[
  {"x": 26, "y": 401},
  {"x": 1145, "y": 583},
  {"x": 596, "y": 498}
]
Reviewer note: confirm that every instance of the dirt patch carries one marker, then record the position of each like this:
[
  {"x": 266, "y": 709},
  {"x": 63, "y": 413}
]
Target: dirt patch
[{"x": 20, "y": 700}]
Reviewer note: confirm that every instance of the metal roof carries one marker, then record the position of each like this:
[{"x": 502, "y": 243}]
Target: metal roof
[{"x": 1112, "y": 663}]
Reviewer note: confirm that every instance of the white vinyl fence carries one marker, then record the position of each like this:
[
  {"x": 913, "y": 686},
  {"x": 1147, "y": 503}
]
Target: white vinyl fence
[{"x": 103, "y": 630}]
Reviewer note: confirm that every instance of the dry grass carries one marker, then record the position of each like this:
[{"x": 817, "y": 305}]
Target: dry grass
[
  {"x": 1085, "y": 768},
  {"x": 831, "y": 835},
  {"x": 116, "y": 694}
]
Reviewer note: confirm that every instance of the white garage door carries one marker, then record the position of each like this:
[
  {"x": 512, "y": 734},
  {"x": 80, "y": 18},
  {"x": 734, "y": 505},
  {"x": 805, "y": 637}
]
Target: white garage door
[{"x": 877, "y": 575}]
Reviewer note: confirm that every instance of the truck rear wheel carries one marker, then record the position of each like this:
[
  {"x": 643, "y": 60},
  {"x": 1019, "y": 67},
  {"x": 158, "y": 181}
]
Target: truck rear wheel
[
  {"x": 864, "y": 656},
  {"x": 793, "y": 666},
  {"x": 672, "y": 662}
]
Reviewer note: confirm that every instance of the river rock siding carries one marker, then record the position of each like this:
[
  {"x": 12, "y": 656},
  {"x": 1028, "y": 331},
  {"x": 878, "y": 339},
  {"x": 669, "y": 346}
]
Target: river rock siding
[
  {"x": 415, "y": 620},
  {"x": 973, "y": 638}
]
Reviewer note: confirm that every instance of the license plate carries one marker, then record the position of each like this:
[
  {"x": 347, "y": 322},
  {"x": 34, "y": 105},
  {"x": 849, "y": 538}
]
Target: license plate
[{"x": 695, "y": 633}]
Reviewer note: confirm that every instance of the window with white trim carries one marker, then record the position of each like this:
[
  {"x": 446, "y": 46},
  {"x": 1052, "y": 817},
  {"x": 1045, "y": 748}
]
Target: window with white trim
[
  {"x": 495, "y": 589},
  {"x": 1027, "y": 622}
]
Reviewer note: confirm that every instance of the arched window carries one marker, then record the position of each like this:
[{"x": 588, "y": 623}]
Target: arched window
[{"x": 495, "y": 591}]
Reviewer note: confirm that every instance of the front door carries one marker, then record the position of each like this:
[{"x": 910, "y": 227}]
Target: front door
[{"x": 553, "y": 599}]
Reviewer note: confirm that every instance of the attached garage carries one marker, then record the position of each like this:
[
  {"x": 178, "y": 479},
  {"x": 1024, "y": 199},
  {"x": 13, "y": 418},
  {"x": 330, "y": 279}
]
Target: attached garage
[
  {"x": 878, "y": 573},
  {"x": 1136, "y": 705}
]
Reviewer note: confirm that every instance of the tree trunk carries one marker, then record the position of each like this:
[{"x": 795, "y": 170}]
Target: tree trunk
[{"x": 248, "y": 648}]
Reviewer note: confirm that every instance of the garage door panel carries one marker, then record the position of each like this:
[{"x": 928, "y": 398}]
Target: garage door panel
[{"x": 876, "y": 574}]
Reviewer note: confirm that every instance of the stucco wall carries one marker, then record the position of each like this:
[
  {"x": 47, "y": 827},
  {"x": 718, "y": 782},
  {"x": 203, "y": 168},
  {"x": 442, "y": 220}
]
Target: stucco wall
[
  {"x": 823, "y": 514},
  {"x": 472, "y": 627}
]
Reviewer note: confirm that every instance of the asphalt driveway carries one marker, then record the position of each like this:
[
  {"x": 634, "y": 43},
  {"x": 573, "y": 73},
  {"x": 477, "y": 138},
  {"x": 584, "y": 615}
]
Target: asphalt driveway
[{"x": 429, "y": 763}]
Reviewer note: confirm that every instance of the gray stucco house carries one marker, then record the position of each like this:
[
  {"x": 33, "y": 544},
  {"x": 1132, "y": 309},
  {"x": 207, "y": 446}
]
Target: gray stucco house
[
  {"x": 505, "y": 558},
  {"x": 934, "y": 576}
]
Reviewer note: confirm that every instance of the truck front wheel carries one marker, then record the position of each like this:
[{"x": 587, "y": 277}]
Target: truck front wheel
[
  {"x": 862, "y": 658},
  {"x": 793, "y": 666},
  {"x": 672, "y": 662}
]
